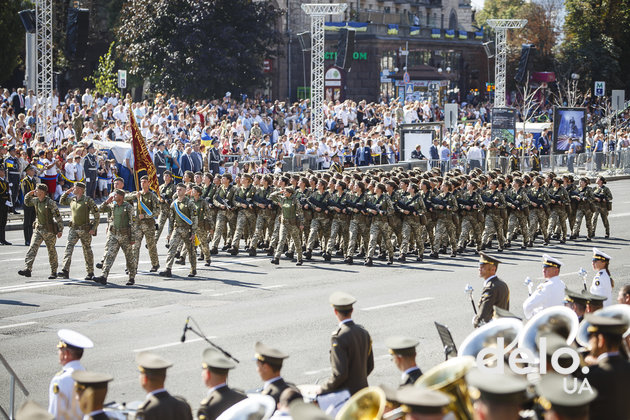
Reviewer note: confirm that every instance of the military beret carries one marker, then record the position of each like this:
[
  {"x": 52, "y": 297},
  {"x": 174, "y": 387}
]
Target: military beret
[
  {"x": 496, "y": 387},
  {"x": 214, "y": 359},
  {"x": 42, "y": 187},
  {"x": 88, "y": 379},
  {"x": 269, "y": 355},
  {"x": 150, "y": 362},
  {"x": 79, "y": 184},
  {"x": 342, "y": 301},
  {"x": 552, "y": 396}
]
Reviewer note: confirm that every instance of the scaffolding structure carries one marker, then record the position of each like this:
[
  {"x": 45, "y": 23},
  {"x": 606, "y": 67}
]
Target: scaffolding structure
[
  {"x": 318, "y": 13},
  {"x": 500, "y": 59},
  {"x": 44, "y": 48}
]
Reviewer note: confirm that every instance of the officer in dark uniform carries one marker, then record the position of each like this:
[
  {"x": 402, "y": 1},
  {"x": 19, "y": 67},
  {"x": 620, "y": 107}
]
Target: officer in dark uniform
[
  {"x": 12, "y": 165},
  {"x": 159, "y": 160},
  {"x": 90, "y": 168},
  {"x": 403, "y": 351},
  {"x": 500, "y": 394},
  {"x": 220, "y": 396},
  {"x": 351, "y": 355},
  {"x": 91, "y": 390},
  {"x": 214, "y": 157},
  {"x": 335, "y": 165},
  {"x": 159, "y": 404},
  {"x": 28, "y": 184},
  {"x": 268, "y": 364},
  {"x": 495, "y": 292},
  {"x": 560, "y": 404},
  {"x": 4, "y": 207}
]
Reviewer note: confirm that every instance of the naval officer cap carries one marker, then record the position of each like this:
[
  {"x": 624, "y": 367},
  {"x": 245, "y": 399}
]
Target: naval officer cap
[
  {"x": 488, "y": 259},
  {"x": 605, "y": 325},
  {"x": 215, "y": 361},
  {"x": 74, "y": 340},
  {"x": 549, "y": 261},
  {"x": 497, "y": 388},
  {"x": 552, "y": 396},
  {"x": 151, "y": 363},
  {"x": 342, "y": 301},
  {"x": 419, "y": 400},
  {"x": 402, "y": 346},
  {"x": 85, "y": 379},
  {"x": 269, "y": 355},
  {"x": 600, "y": 255},
  {"x": 30, "y": 410}
]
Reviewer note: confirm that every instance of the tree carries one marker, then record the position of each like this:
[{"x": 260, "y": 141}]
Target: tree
[
  {"x": 105, "y": 78},
  {"x": 12, "y": 44},
  {"x": 198, "y": 48}
]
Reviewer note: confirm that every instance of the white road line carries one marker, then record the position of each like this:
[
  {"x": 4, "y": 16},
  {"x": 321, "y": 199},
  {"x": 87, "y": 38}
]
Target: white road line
[
  {"x": 277, "y": 286},
  {"x": 14, "y": 259},
  {"x": 614, "y": 216},
  {"x": 177, "y": 343},
  {"x": 21, "y": 324},
  {"x": 14, "y": 252},
  {"x": 12, "y": 289},
  {"x": 389, "y": 305}
]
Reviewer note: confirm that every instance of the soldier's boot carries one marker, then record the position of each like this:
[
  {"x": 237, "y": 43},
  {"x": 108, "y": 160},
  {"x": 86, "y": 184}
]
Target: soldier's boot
[
  {"x": 64, "y": 274},
  {"x": 402, "y": 258},
  {"x": 270, "y": 251},
  {"x": 214, "y": 251},
  {"x": 308, "y": 254},
  {"x": 233, "y": 251},
  {"x": 130, "y": 282},
  {"x": 154, "y": 269},
  {"x": 52, "y": 276},
  {"x": 530, "y": 244},
  {"x": 454, "y": 253},
  {"x": 368, "y": 262},
  {"x": 339, "y": 253},
  {"x": 166, "y": 273},
  {"x": 349, "y": 260},
  {"x": 193, "y": 273},
  {"x": 435, "y": 255},
  {"x": 286, "y": 248},
  {"x": 442, "y": 250},
  {"x": 382, "y": 256},
  {"x": 275, "y": 261},
  {"x": 488, "y": 245},
  {"x": 588, "y": 239},
  {"x": 99, "y": 265},
  {"x": 25, "y": 273},
  {"x": 499, "y": 249},
  {"x": 181, "y": 261},
  {"x": 460, "y": 249},
  {"x": 289, "y": 255},
  {"x": 419, "y": 258},
  {"x": 508, "y": 244},
  {"x": 299, "y": 262},
  {"x": 327, "y": 256},
  {"x": 207, "y": 264},
  {"x": 201, "y": 257},
  {"x": 101, "y": 279},
  {"x": 252, "y": 252},
  {"x": 226, "y": 247},
  {"x": 390, "y": 260},
  {"x": 361, "y": 254},
  {"x": 90, "y": 276},
  {"x": 178, "y": 255}
]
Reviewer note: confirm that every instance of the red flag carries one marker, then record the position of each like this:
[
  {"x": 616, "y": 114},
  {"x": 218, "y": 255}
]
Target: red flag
[{"x": 142, "y": 163}]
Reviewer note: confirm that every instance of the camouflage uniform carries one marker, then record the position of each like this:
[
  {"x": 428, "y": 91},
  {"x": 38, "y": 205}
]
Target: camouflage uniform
[
  {"x": 80, "y": 228},
  {"x": 208, "y": 195},
  {"x": 518, "y": 215},
  {"x": 471, "y": 224},
  {"x": 493, "y": 220},
  {"x": 380, "y": 225},
  {"x": 264, "y": 219},
  {"x": 48, "y": 223},
  {"x": 572, "y": 207},
  {"x": 181, "y": 232},
  {"x": 320, "y": 224},
  {"x": 584, "y": 200},
  {"x": 121, "y": 221},
  {"x": 302, "y": 196},
  {"x": 411, "y": 226},
  {"x": 558, "y": 218},
  {"x": 223, "y": 196},
  {"x": 395, "y": 220},
  {"x": 166, "y": 193},
  {"x": 292, "y": 219},
  {"x": 246, "y": 219},
  {"x": 340, "y": 223},
  {"x": 359, "y": 228},
  {"x": 602, "y": 207},
  {"x": 204, "y": 227},
  {"x": 445, "y": 228},
  {"x": 537, "y": 215},
  {"x": 431, "y": 214},
  {"x": 145, "y": 228}
]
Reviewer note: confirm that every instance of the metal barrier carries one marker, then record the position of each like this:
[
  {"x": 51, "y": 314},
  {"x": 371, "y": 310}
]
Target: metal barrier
[{"x": 13, "y": 381}]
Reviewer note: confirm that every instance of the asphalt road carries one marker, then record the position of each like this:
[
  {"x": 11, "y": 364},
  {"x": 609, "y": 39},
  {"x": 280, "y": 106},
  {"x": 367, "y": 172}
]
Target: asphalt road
[{"x": 240, "y": 300}]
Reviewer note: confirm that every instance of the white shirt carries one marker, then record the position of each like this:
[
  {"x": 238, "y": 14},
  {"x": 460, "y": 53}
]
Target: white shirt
[
  {"x": 550, "y": 293},
  {"x": 602, "y": 286},
  {"x": 71, "y": 170},
  {"x": 61, "y": 401},
  {"x": 270, "y": 381}
]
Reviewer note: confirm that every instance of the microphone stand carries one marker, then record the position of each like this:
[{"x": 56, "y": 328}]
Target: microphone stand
[{"x": 200, "y": 334}]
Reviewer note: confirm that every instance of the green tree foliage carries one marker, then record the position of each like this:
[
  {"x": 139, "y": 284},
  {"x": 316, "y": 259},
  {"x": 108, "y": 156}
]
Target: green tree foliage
[
  {"x": 12, "y": 44},
  {"x": 105, "y": 78},
  {"x": 500, "y": 9},
  {"x": 198, "y": 48}
]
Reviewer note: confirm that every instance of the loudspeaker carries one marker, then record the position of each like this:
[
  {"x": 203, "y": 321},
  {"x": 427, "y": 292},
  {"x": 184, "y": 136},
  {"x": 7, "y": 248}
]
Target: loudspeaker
[
  {"x": 305, "y": 41},
  {"x": 28, "y": 20},
  {"x": 77, "y": 31},
  {"x": 521, "y": 71},
  {"x": 345, "y": 49}
]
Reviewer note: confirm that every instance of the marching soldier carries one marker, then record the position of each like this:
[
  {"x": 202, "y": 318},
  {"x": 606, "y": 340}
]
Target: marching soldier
[
  {"x": 471, "y": 204},
  {"x": 48, "y": 228},
  {"x": 495, "y": 202},
  {"x": 403, "y": 351},
  {"x": 148, "y": 209},
  {"x": 28, "y": 184},
  {"x": 167, "y": 190},
  {"x": 81, "y": 228},
  {"x": 603, "y": 204},
  {"x": 380, "y": 208},
  {"x": 246, "y": 219},
  {"x": 220, "y": 396},
  {"x": 223, "y": 201},
  {"x": 205, "y": 227},
  {"x": 266, "y": 213},
  {"x": 4, "y": 206},
  {"x": 359, "y": 223},
  {"x": 118, "y": 184},
  {"x": 539, "y": 199},
  {"x": 518, "y": 202},
  {"x": 268, "y": 364},
  {"x": 445, "y": 228},
  {"x": 182, "y": 230},
  {"x": 121, "y": 220},
  {"x": 411, "y": 226},
  {"x": 550, "y": 293},
  {"x": 292, "y": 222},
  {"x": 584, "y": 198},
  {"x": 61, "y": 401},
  {"x": 91, "y": 390},
  {"x": 559, "y": 199},
  {"x": 340, "y": 221},
  {"x": 320, "y": 224},
  {"x": 351, "y": 355},
  {"x": 90, "y": 168},
  {"x": 495, "y": 291},
  {"x": 159, "y": 403}
]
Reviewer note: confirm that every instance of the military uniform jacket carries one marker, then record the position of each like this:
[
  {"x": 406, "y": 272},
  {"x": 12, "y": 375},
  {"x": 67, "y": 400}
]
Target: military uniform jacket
[
  {"x": 167, "y": 191},
  {"x": 245, "y": 194},
  {"x": 187, "y": 207},
  {"x": 208, "y": 193},
  {"x": 411, "y": 376},
  {"x": 351, "y": 359},
  {"x": 150, "y": 200},
  {"x": 225, "y": 194},
  {"x": 4, "y": 192},
  {"x": 493, "y": 197},
  {"x": 560, "y": 196},
  {"x": 538, "y": 196},
  {"x": 81, "y": 210},
  {"x": 275, "y": 388},
  {"x": 163, "y": 406},
  {"x": 611, "y": 378},
  {"x": 605, "y": 196},
  {"x": 90, "y": 167},
  {"x": 338, "y": 201},
  {"x": 550, "y": 293},
  {"x": 602, "y": 286},
  {"x": 218, "y": 401},
  {"x": 385, "y": 205},
  {"x": 519, "y": 197},
  {"x": 27, "y": 185},
  {"x": 290, "y": 208},
  {"x": 203, "y": 214},
  {"x": 584, "y": 197},
  {"x": 495, "y": 292},
  {"x": 322, "y": 197},
  {"x": 61, "y": 402},
  {"x": 159, "y": 159},
  {"x": 46, "y": 213}
]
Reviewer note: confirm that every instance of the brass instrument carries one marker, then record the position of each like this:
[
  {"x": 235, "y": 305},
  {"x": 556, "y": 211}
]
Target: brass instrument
[
  {"x": 254, "y": 407},
  {"x": 450, "y": 377},
  {"x": 367, "y": 404},
  {"x": 557, "y": 319},
  {"x": 487, "y": 336},
  {"x": 619, "y": 311}
]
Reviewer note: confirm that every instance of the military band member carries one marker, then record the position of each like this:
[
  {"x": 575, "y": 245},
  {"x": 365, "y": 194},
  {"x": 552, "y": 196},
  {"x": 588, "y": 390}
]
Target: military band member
[
  {"x": 81, "y": 228},
  {"x": 148, "y": 209},
  {"x": 269, "y": 364},
  {"x": 220, "y": 396},
  {"x": 495, "y": 291},
  {"x": 602, "y": 282},
  {"x": 61, "y": 401},
  {"x": 48, "y": 229},
  {"x": 403, "y": 351},
  {"x": 560, "y": 404},
  {"x": 91, "y": 390},
  {"x": 4, "y": 207},
  {"x": 121, "y": 221},
  {"x": 159, "y": 403},
  {"x": 576, "y": 301},
  {"x": 419, "y": 403},
  {"x": 292, "y": 222},
  {"x": 351, "y": 356},
  {"x": 603, "y": 204},
  {"x": 28, "y": 184},
  {"x": 182, "y": 230},
  {"x": 167, "y": 190},
  {"x": 496, "y": 396},
  {"x": 548, "y": 294}
]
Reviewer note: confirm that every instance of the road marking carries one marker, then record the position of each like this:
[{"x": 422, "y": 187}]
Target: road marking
[
  {"x": 277, "y": 286},
  {"x": 81, "y": 307},
  {"x": 235, "y": 292},
  {"x": 14, "y": 259},
  {"x": 389, "y": 305},
  {"x": 21, "y": 324},
  {"x": 177, "y": 343},
  {"x": 614, "y": 216},
  {"x": 18, "y": 288}
]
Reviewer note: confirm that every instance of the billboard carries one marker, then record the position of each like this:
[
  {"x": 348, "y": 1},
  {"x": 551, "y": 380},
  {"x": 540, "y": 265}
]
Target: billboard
[
  {"x": 504, "y": 124},
  {"x": 569, "y": 123}
]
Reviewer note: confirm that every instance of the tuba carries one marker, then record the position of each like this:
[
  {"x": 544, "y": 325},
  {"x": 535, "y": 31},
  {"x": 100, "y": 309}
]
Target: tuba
[
  {"x": 450, "y": 377},
  {"x": 619, "y": 311},
  {"x": 367, "y": 404},
  {"x": 556, "y": 319},
  {"x": 254, "y": 407},
  {"x": 487, "y": 335}
]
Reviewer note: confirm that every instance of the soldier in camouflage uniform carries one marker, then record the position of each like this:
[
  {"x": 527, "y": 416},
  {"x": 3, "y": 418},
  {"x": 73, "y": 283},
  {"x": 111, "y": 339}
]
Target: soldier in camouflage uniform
[
  {"x": 147, "y": 211},
  {"x": 48, "y": 227},
  {"x": 182, "y": 229},
  {"x": 395, "y": 219},
  {"x": 559, "y": 199},
  {"x": 584, "y": 199},
  {"x": 518, "y": 202},
  {"x": 212, "y": 185},
  {"x": 446, "y": 204},
  {"x": 246, "y": 219},
  {"x": 359, "y": 228},
  {"x": 411, "y": 226},
  {"x": 118, "y": 184},
  {"x": 121, "y": 221},
  {"x": 223, "y": 202},
  {"x": 292, "y": 222},
  {"x": 494, "y": 202},
  {"x": 603, "y": 204},
  {"x": 471, "y": 205},
  {"x": 429, "y": 228},
  {"x": 381, "y": 208},
  {"x": 570, "y": 187},
  {"x": 340, "y": 221},
  {"x": 320, "y": 224},
  {"x": 266, "y": 213},
  {"x": 81, "y": 228},
  {"x": 204, "y": 224},
  {"x": 303, "y": 192},
  {"x": 539, "y": 200},
  {"x": 167, "y": 190}
]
